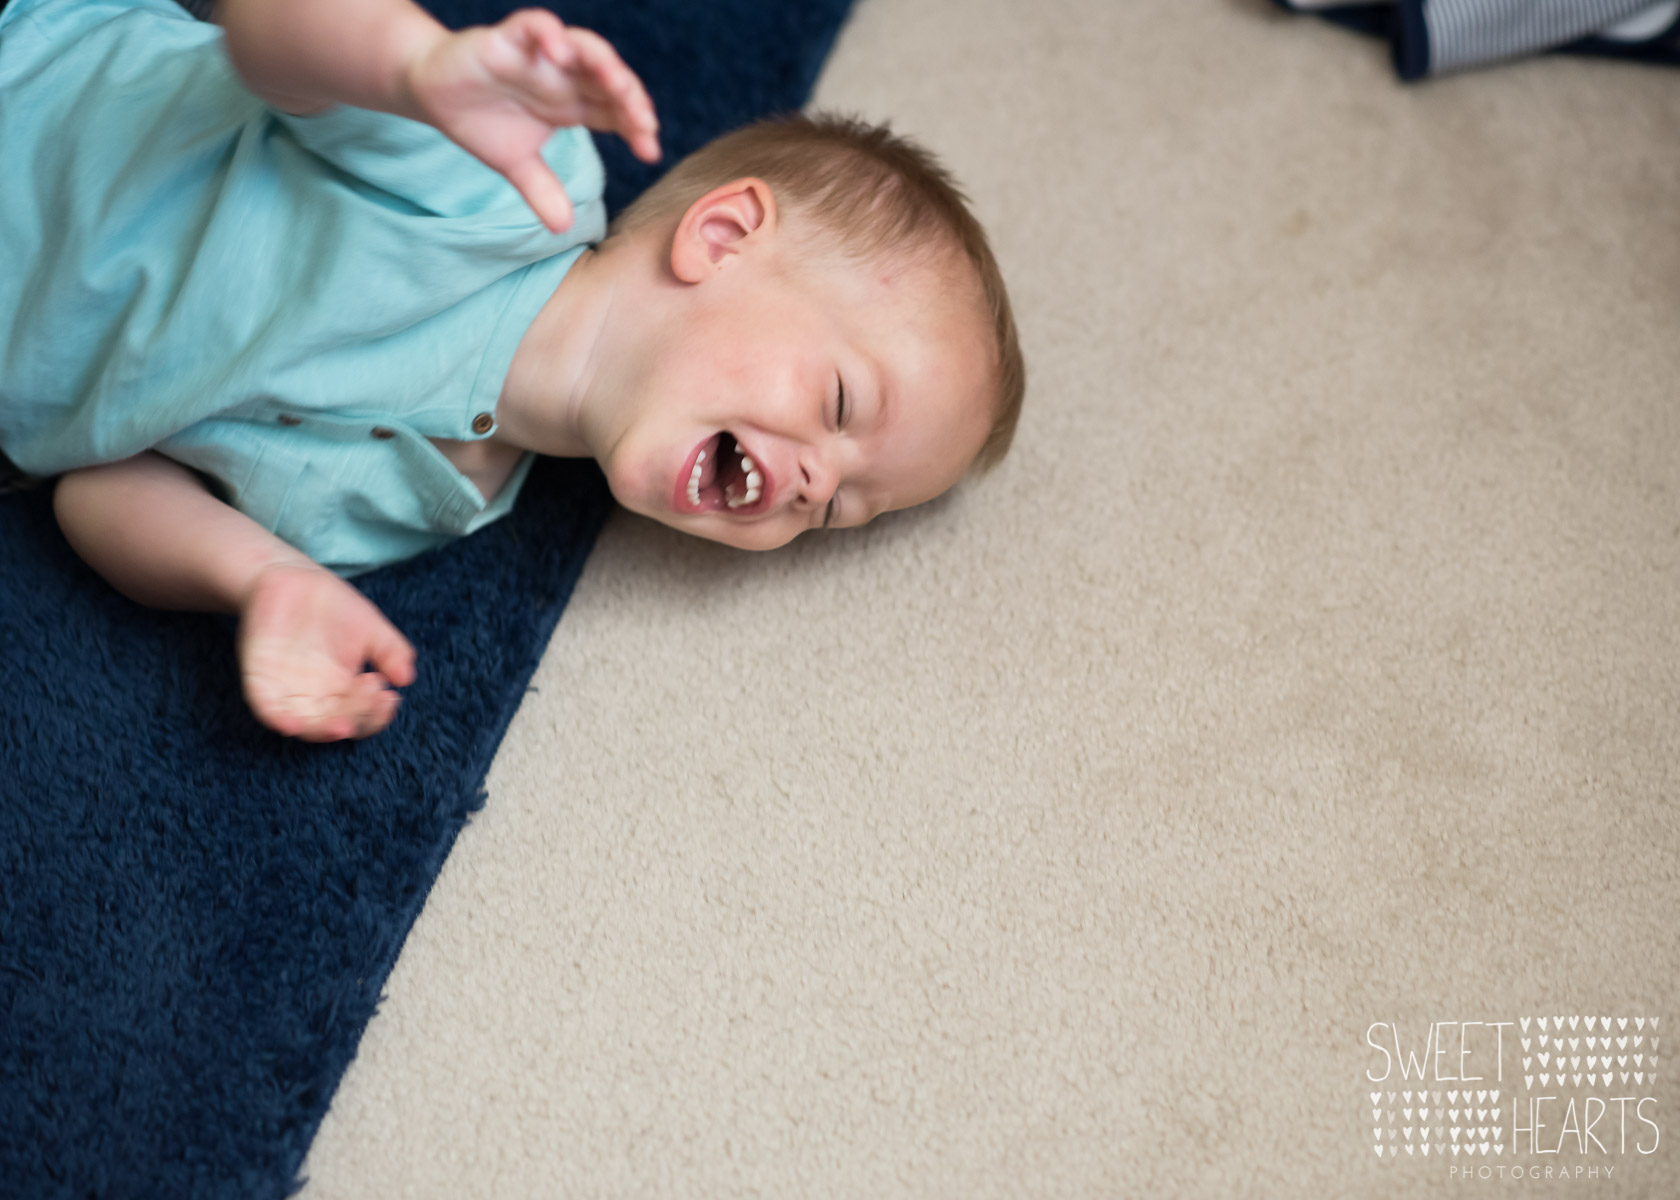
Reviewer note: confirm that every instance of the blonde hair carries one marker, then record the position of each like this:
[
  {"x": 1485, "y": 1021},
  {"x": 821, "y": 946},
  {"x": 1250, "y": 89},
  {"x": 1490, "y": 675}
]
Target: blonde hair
[{"x": 880, "y": 193}]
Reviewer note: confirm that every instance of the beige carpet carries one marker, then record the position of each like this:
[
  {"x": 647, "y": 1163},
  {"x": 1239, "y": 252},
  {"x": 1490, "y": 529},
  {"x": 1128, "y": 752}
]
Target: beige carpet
[{"x": 1311, "y": 664}]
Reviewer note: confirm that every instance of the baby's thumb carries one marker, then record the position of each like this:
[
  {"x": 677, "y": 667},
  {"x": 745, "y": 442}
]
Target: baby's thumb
[{"x": 542, "y": 191}]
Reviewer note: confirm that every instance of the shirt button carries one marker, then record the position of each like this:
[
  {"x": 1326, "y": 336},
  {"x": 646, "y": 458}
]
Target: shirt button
[
  {"x": 483, "y": 423},
  {"x": 288, "y": 419},
  {"x": 382, "y": 433}
]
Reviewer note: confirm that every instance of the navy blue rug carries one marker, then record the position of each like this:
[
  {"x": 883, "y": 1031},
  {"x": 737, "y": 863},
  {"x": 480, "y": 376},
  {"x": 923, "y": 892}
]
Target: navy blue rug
[{"x": 197, "y": 916}]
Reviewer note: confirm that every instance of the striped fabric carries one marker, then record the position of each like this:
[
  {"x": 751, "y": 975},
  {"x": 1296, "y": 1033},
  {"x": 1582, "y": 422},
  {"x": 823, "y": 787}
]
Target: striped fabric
[
  {"x": 1432, "y": 37},
  {"x": 1467, "y": 33}
]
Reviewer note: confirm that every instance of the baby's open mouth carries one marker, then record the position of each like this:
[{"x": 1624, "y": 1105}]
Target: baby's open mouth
[{"x": 723, "y": 476}]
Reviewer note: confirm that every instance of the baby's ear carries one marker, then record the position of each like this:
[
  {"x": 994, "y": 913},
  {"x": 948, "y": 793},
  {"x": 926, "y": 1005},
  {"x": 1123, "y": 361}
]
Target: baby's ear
[{"x": 724, "y": 223}]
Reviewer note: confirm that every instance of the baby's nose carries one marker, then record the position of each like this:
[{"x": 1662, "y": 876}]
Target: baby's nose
[{"x": 817, "y": 481}]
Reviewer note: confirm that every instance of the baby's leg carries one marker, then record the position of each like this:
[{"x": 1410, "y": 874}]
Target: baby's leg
[{"x": 157, "y": 534}]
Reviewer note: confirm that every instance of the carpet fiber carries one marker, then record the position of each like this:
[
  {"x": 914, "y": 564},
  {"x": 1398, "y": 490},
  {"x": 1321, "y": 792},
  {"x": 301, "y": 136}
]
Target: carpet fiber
[
  {"x": 196, "y": 916},
  {"x": 1310, "y": 664}
]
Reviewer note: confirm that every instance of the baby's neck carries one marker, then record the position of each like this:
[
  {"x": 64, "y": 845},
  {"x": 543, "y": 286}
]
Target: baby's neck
[{"x": 542, "y": 398}]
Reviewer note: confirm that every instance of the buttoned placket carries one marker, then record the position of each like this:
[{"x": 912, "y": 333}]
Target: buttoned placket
[
  {"x": 458, "y": 504},
  {"x": 483, "y": 425}
]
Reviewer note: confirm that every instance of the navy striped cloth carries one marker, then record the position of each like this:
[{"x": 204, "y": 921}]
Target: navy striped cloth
[{"x": 1434, "y": 37}]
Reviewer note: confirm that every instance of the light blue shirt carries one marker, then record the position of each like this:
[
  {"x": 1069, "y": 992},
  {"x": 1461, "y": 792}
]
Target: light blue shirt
[{"x": 290, "y": 305}]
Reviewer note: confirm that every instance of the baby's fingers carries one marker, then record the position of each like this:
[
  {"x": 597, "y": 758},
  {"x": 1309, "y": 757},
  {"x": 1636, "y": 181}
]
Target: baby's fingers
[
  {"x": 361, "y": 710},
  {"x": 542, "y": 191},
  {"x": 630, "y": 109},
  {"x": 538, "y": 29},
  {"x": 393, "y": 654},
  {"x": 371, "y": 705},
  {"x": 541, "y": 58}
]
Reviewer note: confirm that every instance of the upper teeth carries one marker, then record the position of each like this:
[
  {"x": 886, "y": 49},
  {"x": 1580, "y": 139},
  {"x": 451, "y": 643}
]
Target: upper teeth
[{"x": 694, "y": 481}]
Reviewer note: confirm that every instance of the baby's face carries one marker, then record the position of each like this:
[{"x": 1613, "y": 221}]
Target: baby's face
[{"x": 790, "y": 400}]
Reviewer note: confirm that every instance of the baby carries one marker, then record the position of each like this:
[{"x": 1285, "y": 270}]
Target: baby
[{"x": 276, "y": 306}]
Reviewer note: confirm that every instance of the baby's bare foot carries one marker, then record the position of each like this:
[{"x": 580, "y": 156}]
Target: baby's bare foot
[{"x": 304, "y": 636}]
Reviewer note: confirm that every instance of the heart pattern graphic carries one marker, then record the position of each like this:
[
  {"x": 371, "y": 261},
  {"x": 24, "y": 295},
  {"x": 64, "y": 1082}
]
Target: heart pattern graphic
[
  {"x": 1604, "y": 1069},
  {"x": 1615, "y": 1057}
]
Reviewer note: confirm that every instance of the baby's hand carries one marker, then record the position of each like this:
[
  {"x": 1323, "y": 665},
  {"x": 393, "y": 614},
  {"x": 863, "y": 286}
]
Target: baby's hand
[
  {"x": 304, "y": 634},
  {"x": 500, "y": 90}
]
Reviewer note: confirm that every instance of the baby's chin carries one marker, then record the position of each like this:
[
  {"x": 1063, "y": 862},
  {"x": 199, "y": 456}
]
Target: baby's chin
[
  {"x": 757, "y": 536},
  {"x": 742, "y": 535}
]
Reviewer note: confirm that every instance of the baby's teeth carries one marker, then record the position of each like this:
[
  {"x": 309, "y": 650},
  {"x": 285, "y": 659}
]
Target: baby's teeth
[
  {"x": 755, "y": 484},
  {"x": 694, "y": 480}
]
